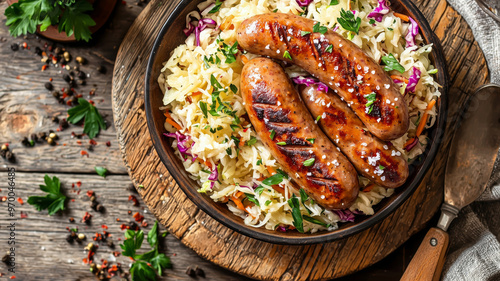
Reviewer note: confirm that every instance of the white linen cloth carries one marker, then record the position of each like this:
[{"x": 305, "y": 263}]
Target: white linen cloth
[{"x": 474, "y": 252}]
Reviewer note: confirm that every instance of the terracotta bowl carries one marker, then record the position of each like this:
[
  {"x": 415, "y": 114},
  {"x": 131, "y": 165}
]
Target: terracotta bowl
[{"x": 171, "y": 36}]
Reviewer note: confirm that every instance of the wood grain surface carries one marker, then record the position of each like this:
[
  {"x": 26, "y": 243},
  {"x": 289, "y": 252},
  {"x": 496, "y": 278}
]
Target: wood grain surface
[{"x": 211, "y": 240}]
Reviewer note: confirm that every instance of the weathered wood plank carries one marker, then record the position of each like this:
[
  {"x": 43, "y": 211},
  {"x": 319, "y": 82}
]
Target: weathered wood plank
[
  {"x": 42, "y": 252},
  {"x": 262, "y": 260}
]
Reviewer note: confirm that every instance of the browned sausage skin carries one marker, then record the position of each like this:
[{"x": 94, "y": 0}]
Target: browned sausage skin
[
  {"x": 273, "y": 103},
  {"x": 378, "y": 161},
  {"x": 344, "y": 67}
]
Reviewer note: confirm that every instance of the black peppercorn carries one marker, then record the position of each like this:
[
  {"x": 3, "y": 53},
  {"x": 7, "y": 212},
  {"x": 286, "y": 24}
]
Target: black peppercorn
[
  {"x": 74, "y": 100},
  {"x": 55, "y": 119},
  {"x": 3, "y": 153},
  {"x": 66, "y": 77},
  {"x": 56, "y": 94},
  {"x": 200, "y": 272},
  {"x": 6, "y": 259},
  {"x": 110, "y": 243},
  {"x": 42, "y": 135},
  {"x": 34, "y": 137},
  {"x": 57, "y": 51},
  {"x": 190, "y": 272},
  {"x": 25, "y": 142},
  {"x": 101, "y": 69},
  {"x": 132, "y": 225},
  {"x": 9, "y": 156},
  {"x": 93, "y": 205},
  {"x": 63, "y": 124},
  {"x": 14, "y": 47},
  {"x": 49, "y": 86},
  {"x": 82, "y": 82},
  {"x": 81, "y": 75},
  {"x": 69, "y": 238},
  {"x": 71, "y": 219},
  {"x": 38, "y": 51},
  {"x": 99, "y": 208}
]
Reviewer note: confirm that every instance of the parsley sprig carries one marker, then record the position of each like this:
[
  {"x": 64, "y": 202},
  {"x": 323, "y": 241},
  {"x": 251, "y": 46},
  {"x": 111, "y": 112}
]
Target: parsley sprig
[
  {"x": 348, "y": 21},
  {"x": 93, "y": 120},
  {"x": 370, "y": 100},
  {"x": 145, "y": 265},
  {"x": 72, "y": 17},
  {"x": 391, "y": 63},
  {"x": 319, "y": 28},
  {"x": 53, "y": 201}
]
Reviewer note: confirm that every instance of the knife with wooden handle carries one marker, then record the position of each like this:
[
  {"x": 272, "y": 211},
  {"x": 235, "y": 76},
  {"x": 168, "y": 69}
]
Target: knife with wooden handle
[{"x": 473, "y": 153}]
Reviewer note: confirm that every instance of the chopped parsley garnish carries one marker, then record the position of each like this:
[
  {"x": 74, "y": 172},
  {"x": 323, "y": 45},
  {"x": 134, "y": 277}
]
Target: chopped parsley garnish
[
  {"x": 234, "y": 127},
  {"x": 329, "y": 49},
  {"x": 309, "y": 162},
  {"x": 304, "y": 33},
  {"x": 372, "y": 21},
  {"x": 319, "y": 28},
  {"x": 348, "y": 22},
  {"x": 233, "y": 88},
  {"x": 223, "y": 107},
  {"x": 229, "y": 151},
  {"x": 433, "y": 71},
  {"x": 259, "y": 189},
  {"x": 318, "y": 118},
  {"x": 252, "y": 199},
  {"x": 311, "y": 140},
  {"x": 203, "y": 107},
  {"x": 390, "y": 29},
  {"x": 53, "y": 201},
  {"x": 216, "y": 8},
  {"x": 101, "y": 171},
  {"x": 274, "y": 179},
  {"x": 268, "y": 202},
  {"x": 391, "y": 63},
  {"x": 334, "y": 2},
  {"x": 381, "y": 167},
  {"x": 275, "y": 10},
  {"x": 296, "y": 215},
  {"x": 370, "y": 100},
  {"x": 282, "y": 173},
  {"x": 229, "y": 52},
  {"x": 316, "y": 221},
  {"x": 273, "y": 132},
  {"x": 259, "y": 162},
  {"x": 206, "y": 171},
  {"x": 286, "y": 55},
  {"x": 252, "y": 141},
  {"x": 281, "y": 143}
]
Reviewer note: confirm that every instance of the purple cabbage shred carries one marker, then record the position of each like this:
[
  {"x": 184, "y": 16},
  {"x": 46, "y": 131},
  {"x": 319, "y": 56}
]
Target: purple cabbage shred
[
  {"x": 380, "y": 11},
  {"x": 304, "y": 3},
  {"x": 345, "y": 215},
  {"x": 411, "y": 34},
  {"x": 310, "y": 81},
  {"x": 198, "y": 26},
  {"x": 413, "y": 80},
  {"x": 181, "y": 144}
]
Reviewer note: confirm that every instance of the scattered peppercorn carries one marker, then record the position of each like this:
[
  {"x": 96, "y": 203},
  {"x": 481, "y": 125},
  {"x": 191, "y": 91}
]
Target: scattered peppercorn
[
  {"x": 5, "y": 146},
  {"x": 67, "y": 78},
  {"x": 67, "y": 56},
  {"x": 25, "y": 141},
  {"x": 200, "y": 272},
  {"x": 53, "y": 135},
  {"x": 99, "y": 208},
  {"x": 80, "y": 60},
  {"x": 14, "y": 47},
  {"x": 10, "y": 156},
  {"x": 110, "y": 243},
  {"x": 81, "y": 236},
  {"x": 93, "y": 205},
  {"x": 101, "y": 69},
  {"x": 56, "y": 94},
  {"x": 86, "y": 218},
  {"x": 81, "y": 75},
  {"x": 51, "y": 141},
  {"x": 190, "y": 272},
  {"x": 34, "y": 137},
  {"x": 71, "y": 219},
  {"x": 63, "y": 124},
  {"x": 38, "y": 51},
  {"x": 69, "y": 238}
]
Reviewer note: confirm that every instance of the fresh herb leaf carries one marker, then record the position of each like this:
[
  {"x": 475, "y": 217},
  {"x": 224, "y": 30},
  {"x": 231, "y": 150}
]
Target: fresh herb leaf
[
  {"x": 390, "y": 29},
  {"x": 275, "y": 10},
  {"x": 371, "y": 21},
  {"x": 304, "y": 33},
  {"x": 329, "y": 49},
  {"x": 140, "y": 270},
  {"x": 311, "y": 140},
  {"x": 268, "y": 202},
  {"x": 101, "y": 171},
  {"x": 206, "y": 171},
  {"x": 259, "y": 162},
  {"x": 229, "y": 151},
  {"x": 370, "y": 100},
  {"x": 252, "y": 141},
  {"x": 286, "y": 55},
  {"x": 216, "y": 8},
  {"x": 274, "y": 179},
  {"x": 281, "y": 143},
  {"x": 75, "y": 20},
  {"x": 303, "y": 195},
  {"x": 381, "y": 167},
  {"x": 433, "y": 71},
  {"x": 348, "y": 22},
  {"x": 309, "y": 162},
  {"x": 391, "y": 63},
  {"x": 334, "y": 2},
  {"x": 252, "y": 199},
  {"x": 319, "y": 28},
  {"x": 93, "y": 120},
  {"x": 234, "y": 127},
  {"x": 259, "y": 189},
  {"x": 233, "y": 88},
  {"x": 203, "y": 107},
  {"x": 53, "y": 201},
  {"x": 316, "y": 221},
  {"x": 273, "y": 133},
  {"x": 318, "y": 118},
  {"x": 282, "y": 173},
  {"x": 297, "y": 216},
  {"x": 229, "y": 52}
]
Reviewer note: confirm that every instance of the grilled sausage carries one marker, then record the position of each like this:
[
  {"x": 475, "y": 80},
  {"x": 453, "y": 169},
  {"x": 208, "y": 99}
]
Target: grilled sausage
[
  {"x": 335, "y": 61},
  {"x": 274, "y": 105},
  {"x": 373, "y": 158}
]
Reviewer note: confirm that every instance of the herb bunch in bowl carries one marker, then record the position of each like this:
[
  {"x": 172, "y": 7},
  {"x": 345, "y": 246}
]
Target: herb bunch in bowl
[{"x": 71, "y": 17}]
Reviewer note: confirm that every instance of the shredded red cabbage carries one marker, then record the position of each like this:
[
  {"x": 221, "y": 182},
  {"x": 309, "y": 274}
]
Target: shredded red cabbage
[
  {"x": 181, "y": 144},
  {"x": 412, "y": 144},
  {"x": 304, "y": 3},
  {"x": 335, "y": 28},
  {"x": 345, "y": 215},
  {"x": 380, "y": 11},
  {"x": 413, "y": 80},
  {"x": 281, "y": 228},
  {"x": 214, "y": 175},
  {"x": 411, "y": 34},
  {"x": 396, "y": 81},
  {"x": 308, "y": 81},
  {"x": 198, "y": 26}
]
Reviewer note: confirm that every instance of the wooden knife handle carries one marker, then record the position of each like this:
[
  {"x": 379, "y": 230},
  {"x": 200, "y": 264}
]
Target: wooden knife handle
[{"x": 428, "y": 262}]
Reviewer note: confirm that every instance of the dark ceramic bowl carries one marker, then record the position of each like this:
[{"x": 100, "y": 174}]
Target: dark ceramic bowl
[{"x": 171, "y": 36}]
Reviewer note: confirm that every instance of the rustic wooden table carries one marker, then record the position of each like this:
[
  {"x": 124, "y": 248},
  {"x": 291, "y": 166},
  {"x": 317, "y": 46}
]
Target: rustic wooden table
[{"x": 26, "y": 107}]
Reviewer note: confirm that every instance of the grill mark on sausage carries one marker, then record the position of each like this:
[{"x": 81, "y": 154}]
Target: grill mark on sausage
[
  {"x": 282, "y": 128},
  {"x": 260, "y": 94},
  {"x": 272, "y": 113}
]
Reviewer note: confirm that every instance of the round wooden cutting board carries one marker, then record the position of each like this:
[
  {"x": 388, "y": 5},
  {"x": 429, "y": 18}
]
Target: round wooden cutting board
[{"x": 213, "y": 241}]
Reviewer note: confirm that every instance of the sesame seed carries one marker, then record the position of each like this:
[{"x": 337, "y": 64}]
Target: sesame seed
[
  {"x": 382, "y": 178},
  {"x": 364, "y": 144},
  {"x": 386, "y": 147},
  {"x": 387, "y": 101},
  {"x": 323, "y": 157},
  {"x": 387, "y": 86},
  {"x": 350, "y": 90},
  {"x": 378, "y": 120},
  {"x": 322, "y": 196},
  {"x": 373, "y": 71},
  {"x": 396, "y": 99},
  {"x": 340, "y": 45}
]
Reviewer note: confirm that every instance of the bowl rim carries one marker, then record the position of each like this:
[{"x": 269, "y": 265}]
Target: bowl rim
[{"x": 323, "y": 236}]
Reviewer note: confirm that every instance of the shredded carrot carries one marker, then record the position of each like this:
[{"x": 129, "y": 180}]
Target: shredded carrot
[
  {"x": 368, "y": 188},
  {"x": 224, "y": 199},
  {"x": 207, "y": 163},
  {"x": 409, "y": 141},
  {"x": 239, "y": 194},
  {"x": 242, "y": 142},
  {"x": 195, "y": 94},
  {"x": 279, "y": 189},
  {"x": 400, "y": 78},
  {"x": 173, "y": 123},
  {"x": 271, "y": 170},
  {"x": 227, "y": 23},
  {"x": 167, "y": 114},
  {"x": 423, "y": 120},
  {"x": 244, "y": 59},
  {"x": 239, "y": 204},
  {"x": 402, "y": 17}
]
